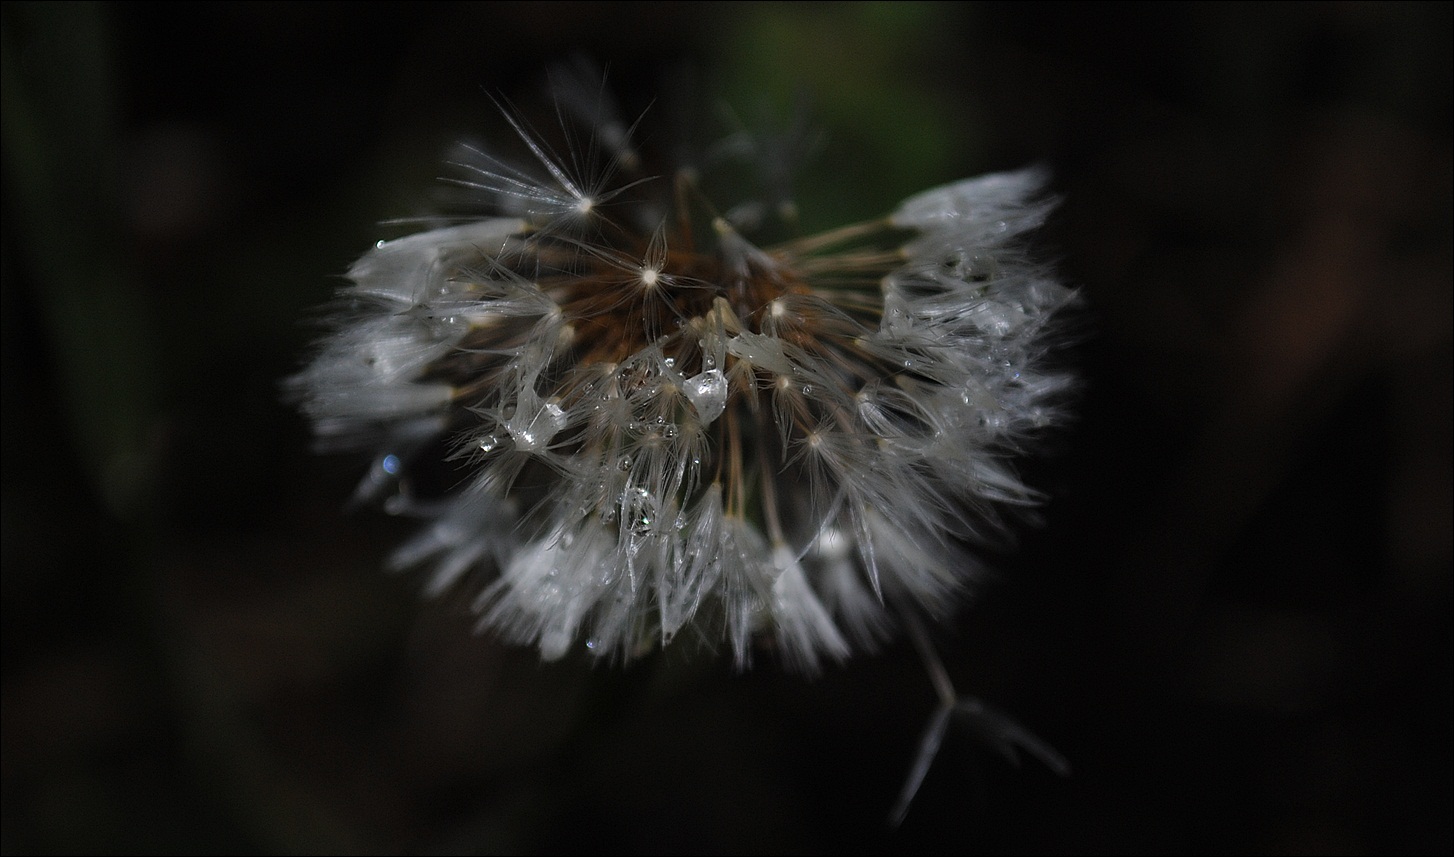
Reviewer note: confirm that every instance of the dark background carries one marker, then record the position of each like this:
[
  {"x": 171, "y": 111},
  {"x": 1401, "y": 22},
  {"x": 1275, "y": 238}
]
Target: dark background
[{"x": 1236, "y": 621}]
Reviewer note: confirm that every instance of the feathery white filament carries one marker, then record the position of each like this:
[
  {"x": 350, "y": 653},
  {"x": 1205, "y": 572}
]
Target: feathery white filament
[{"x": 656, "y": 432}]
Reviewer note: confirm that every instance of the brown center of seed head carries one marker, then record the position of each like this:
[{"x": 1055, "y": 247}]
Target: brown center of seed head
[{"x": 617, "y": 310}]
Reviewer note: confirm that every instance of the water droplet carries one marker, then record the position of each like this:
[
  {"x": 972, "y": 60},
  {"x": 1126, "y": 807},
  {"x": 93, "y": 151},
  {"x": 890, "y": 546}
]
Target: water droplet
[
  {"x": 833, "y": 544},
  {"x": 993, "y": 422},
  {"x": 488, "y": 443},
  {"x": 643, "y": 510},
  {"x": 533, "y": 432},
  {"x": 707, "y": 392},
  {"x": 391, "y": 464}
]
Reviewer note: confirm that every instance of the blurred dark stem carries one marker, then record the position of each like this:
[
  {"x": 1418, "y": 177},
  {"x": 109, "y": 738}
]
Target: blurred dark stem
[
  {"x": 60, "y": 169},
  {"x": 60, "y": 146}
]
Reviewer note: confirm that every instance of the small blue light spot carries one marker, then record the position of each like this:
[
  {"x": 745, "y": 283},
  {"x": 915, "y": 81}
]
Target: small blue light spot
[{"x": 390, "y": 464}]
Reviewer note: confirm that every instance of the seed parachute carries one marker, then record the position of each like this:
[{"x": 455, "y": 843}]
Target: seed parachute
[{"x": 662, "y": 425}]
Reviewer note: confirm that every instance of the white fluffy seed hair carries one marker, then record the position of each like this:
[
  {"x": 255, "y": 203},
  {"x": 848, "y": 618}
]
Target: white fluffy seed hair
[{"x": 659, "y": 426}]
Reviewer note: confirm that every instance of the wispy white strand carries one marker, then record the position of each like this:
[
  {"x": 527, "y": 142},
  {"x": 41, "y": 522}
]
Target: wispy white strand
[{"x": 791, "y": 443}]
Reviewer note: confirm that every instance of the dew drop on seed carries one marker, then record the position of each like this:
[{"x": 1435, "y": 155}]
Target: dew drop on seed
[
  {"x": 533, "y": 432},
  {"x": 391, "y": 464},
  {"x": 993, "y": 422},
  {"x": 707, "y": 392}
]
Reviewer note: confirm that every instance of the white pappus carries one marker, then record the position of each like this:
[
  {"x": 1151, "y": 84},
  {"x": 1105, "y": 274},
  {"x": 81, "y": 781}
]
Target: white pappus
[{"x": 664, "y": 429}]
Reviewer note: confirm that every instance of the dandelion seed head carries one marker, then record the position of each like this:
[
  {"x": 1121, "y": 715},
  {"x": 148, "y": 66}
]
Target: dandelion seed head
[{"x": 660, "y": 424}]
